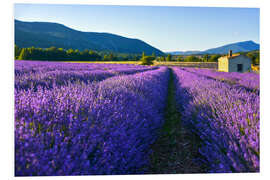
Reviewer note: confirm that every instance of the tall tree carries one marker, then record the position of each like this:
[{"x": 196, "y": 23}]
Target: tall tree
[
  {"x": 143, "y": 54},
  {"x": 205, "y": 58},
  {"x": 147, "y": 60},
  {"x": 257, "y": 60},
  {"x": 17, "y": 51},
  {"x": 169, "y": 57},
  {"x": 24, "y": 55}
]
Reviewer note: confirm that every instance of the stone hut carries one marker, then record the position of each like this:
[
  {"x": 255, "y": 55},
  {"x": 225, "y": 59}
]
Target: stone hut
[{"x": 234, "y": 63}]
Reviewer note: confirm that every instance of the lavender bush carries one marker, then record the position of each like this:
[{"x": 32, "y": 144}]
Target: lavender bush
[
  {"x": 95, "y": 128},
  {"x": 47, "y": 75},
  {"x": 225, "y": 117},
  {"x": 249, "y": 80}
]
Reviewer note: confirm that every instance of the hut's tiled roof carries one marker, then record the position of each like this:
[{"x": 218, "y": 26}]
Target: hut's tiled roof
[{"x": 233, "y": 56}]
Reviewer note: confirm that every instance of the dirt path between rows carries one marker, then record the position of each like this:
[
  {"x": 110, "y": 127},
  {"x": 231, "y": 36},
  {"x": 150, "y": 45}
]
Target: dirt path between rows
[{"x": 177, "y": 149}]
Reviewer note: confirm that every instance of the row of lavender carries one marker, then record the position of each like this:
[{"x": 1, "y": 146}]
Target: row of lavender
[
  {"x": 48, "y": 75},
  {"x": 248, "y": 80},
  {"x": 225, "y": 117},
  {"x": 22, "y": 67},
  {"x": 95, "y": 128}
]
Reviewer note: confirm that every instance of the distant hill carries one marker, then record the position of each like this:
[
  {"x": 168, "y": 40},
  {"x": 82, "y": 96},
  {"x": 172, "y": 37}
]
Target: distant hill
[
  {"x": 235, "y": 47},
  {"x": 45, "y": 34},
  {"x": 183, "y": 52},
  {"x": 244, "y": 46}
]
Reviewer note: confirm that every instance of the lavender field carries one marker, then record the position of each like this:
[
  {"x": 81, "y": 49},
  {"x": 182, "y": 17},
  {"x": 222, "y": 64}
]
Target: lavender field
[{"x": 95, "y": 119}]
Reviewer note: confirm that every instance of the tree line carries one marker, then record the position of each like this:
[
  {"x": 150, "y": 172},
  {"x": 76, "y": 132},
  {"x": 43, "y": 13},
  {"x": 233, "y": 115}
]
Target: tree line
[
  {"x": 254, "y": 56},
  {"x": 190, "y": 58},
  {"x": 60, "y": 54}
]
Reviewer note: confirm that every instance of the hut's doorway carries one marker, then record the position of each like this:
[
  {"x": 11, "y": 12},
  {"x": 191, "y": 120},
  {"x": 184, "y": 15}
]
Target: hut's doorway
[{"x": 239, "y": 67}]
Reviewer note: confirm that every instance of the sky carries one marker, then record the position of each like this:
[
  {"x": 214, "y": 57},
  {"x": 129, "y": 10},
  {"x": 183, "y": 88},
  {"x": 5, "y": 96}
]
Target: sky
[{"x": 166, "y": 28}]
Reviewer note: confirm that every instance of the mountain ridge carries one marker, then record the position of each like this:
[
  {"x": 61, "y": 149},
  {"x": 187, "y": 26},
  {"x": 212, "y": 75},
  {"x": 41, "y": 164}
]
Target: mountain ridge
[
  {"x": 47, "y": 34},
  {"x": 242, "y": 46}
]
